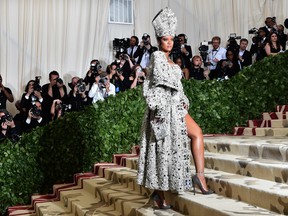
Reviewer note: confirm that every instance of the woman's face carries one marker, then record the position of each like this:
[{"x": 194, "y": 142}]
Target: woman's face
[
  {"x": 273, "y": 37},
  {"x": 230, "y": 55},
  {"x": 178, "y": 62},
  {"x": 166, "y": 43},
  {"x": 197, "y": 61}
]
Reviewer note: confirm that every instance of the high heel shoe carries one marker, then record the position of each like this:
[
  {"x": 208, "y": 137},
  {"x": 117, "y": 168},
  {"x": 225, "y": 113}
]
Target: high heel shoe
[
  {"x": 196, "y": 181},
  {"x": 156, "y": 199}
]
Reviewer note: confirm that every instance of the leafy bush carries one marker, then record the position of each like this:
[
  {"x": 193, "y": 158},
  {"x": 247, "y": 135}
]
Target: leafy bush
[{"x": 53, "y": 153}]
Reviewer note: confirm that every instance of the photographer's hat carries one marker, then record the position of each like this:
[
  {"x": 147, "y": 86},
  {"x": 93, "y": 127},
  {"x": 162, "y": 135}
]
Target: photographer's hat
[{"x": 165, "y": 23}]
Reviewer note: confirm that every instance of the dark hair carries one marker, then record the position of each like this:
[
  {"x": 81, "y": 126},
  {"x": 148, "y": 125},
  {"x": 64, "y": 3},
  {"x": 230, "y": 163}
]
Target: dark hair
[
  {"x": 269, "y": 39},
  {"x": 216, "y": 38},
  {"x": 136, "y": 38},
  {"x": 53, "y": 73},
  {"x": 185, "y": 37},
  {"x": 234, "y": 52},
  {"x": 93, "y": 60},
  {"x": 27, "y": 86},
  {"x": 244, "y": 39},
  {"x": 182, "y": 63}
]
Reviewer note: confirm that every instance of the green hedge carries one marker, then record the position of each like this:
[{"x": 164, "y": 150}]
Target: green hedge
[{"x": 53, "y": 153}]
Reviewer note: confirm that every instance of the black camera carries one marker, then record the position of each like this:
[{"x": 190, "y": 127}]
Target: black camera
[
  {"x": 64, "y": 107},
  {"x": 36, "y": 85},
  {"x": 95, "y": 68},
  {"x": 7, "y": 117},
  {"x": 103, "y": 81},
  {"x": 234, "y": 36},
  {"x": 203, "y": 50},
  {"x": 145, "y": 39},
  {"x": 119, "y": 44},
  {"x": 176, "y": 50},
  {"x": 253, "y": 31},
  {"x": 36, "y": 111},
  {"x": 81, "y": 85}
]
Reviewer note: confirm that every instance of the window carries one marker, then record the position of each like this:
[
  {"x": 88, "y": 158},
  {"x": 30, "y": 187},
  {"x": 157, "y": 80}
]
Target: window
[{"x": 121, "y": 11}]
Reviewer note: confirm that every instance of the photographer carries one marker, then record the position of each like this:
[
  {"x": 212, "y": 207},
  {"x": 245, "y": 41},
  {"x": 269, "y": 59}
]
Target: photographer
[
  {"x": 138, "y": 76},
  {"x": 101, "y": 88},
  {"x": 78, "y": 95},
  {"x": 214, "y": 56},
  {"x": 95, "y": 69},
  {"x": 5, "y": 94},
  {"x": 34, "y": 118},
  {"x": 133, "y": 48},
  {"x": 51, "y": 91},
  {"x": 8, "y": 128},
  {"x": 258, "y": 45},
  {"x": 123, "y": 71},
  {"x": 32, "y": 93},
  {"x": 228, "y": 67},
  {"x": 244, "y": 56},
  {"x": 144, "y": 51},
  {"x": 185, "y": 51},
  {"x": 58, "y": 109}
]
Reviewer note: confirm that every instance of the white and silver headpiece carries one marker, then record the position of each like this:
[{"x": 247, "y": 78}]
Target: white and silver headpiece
[{"x": 165, "y": 23}]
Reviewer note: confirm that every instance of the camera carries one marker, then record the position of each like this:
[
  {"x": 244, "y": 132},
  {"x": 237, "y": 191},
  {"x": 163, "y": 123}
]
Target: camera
[
  {"x": 145, "y": 39},
  {"x": 95, "y": 68},
  {"x": 103, "y": 81},
  {"x": 176, "y": 50},
  {"x": 253, "y": 31},
  {"x": 64, "y": 107},
  {"x": 36, "y": 111},
  {"x": 123, "y": 56},
  {"x": 203, "y": 50},
  {"x": 123, "y": 43},
  {"x": 81, "y": 85},
  {"x": 234, "y": 36},
  {"x": 7, "y": 117},
  {"x": 36, "y": 85}
]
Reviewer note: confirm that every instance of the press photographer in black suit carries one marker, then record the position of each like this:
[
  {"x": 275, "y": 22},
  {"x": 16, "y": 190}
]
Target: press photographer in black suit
[
  {"x": 185, "y": 51},
  {"x": 244, "y": 56},
  {"x": 144, "y": 51}
]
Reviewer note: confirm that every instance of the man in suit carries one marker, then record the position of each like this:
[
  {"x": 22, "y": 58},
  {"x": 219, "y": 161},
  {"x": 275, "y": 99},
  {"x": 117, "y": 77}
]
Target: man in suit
[
  {"x": 186, "y": 51},
  {"x": 244, "y": 57}
]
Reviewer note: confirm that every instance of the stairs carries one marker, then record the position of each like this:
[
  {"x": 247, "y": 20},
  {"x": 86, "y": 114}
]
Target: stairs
[
  {"x": 271, "y": 124},
  {"x": 249, "y": 175}
]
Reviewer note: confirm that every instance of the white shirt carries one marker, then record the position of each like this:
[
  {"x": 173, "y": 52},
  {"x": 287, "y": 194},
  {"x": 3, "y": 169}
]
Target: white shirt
[
  {"x": 145, "y": 61},
  {"x": 100, "y": 93},
  {"x": 219, "y": 53}
]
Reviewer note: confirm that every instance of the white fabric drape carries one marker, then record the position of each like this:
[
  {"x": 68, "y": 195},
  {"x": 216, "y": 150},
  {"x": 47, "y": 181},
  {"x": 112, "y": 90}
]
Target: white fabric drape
[{"x": 38, "y": 36}]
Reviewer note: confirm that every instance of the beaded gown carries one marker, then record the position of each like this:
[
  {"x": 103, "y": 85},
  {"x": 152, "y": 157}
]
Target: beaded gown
[{"x": 164, "y": 161}]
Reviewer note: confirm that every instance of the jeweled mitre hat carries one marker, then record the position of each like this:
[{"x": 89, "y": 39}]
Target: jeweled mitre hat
[{"x": 165, "y": 23}]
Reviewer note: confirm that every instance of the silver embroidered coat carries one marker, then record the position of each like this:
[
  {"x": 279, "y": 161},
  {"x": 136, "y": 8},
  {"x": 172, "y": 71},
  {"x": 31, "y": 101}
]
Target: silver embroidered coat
[{"x": 164, "y": 161}]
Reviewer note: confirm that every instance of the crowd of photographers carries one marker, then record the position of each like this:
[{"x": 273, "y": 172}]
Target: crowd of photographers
[{"x": 42, "y": 104}]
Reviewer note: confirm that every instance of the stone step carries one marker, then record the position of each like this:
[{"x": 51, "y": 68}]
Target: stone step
[
  {"x": 100, "y": 191},
  {"x": 257, "y": 192},
  {"x": 274, "y": 123},
  {"x": 281, "y": 108},
  {"x": 272, "y": 148},
  {"x": 274, "y": 115},
  {"x": 257, "y": 168},
  {"x": 256, "y": 131}
]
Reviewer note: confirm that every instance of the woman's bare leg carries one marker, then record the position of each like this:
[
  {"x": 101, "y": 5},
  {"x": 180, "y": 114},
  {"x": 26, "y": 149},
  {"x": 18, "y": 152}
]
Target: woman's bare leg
[{"x": 197, "y": 147}]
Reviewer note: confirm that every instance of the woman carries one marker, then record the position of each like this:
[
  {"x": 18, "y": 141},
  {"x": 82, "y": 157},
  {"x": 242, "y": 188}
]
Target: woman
[
  {"x": 138, "y": 76},
  {"x": 164, "y": 161},
  {"x": 273, "y": 46},
  {"x": 226, "y": 68},
  {"x": 185, "y": 71}
]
